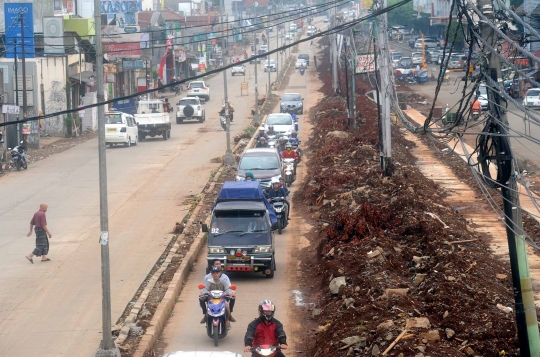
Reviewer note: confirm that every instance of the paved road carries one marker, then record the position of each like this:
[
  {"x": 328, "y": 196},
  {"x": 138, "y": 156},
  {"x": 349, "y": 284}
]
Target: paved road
[
  {"x": 54, "y": 309},
  {"x": 183, "y": 331}
]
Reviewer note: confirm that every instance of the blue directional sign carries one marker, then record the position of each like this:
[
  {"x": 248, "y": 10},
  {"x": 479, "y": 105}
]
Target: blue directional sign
[{"x": 14, "y": 12}]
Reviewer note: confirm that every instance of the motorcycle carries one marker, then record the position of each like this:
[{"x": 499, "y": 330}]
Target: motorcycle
[
  {"x": 280, "y": 208},
  {"x": 296, "y": 148},
  {"x": 18, "y": 157},
  {"x": 265, "y": 350},
  {"x": 475, "y": 114},
  {"x": 302, "y": 70},
  {"x": 290, "y": 172},
  {"x": 223, "y": 121},
  {"x": 272, "y": 141},
  {"x": 177, "y": 89},
  {"x": 216, "y": 327}
]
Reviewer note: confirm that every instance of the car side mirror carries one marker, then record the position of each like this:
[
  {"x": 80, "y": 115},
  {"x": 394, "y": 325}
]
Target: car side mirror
[{"x": 204, "y": 228}]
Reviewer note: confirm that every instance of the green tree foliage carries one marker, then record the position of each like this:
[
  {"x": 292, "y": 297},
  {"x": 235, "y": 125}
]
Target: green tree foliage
[
  {"x": 406, "y": 16},
  {"x": 458, "y": 43}
]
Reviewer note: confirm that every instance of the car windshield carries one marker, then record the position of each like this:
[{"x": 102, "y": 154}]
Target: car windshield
[
  {"x": 113, "y": 119},
  {"x": 238, "y": 222},
  {"x": 190, "y": 101},
  {"x": 415, "y": 55},
  {"x": 261, "y": 162},
  {"x": 454, "y": 58},
  {"x": 279, "y": 119},
  {"x": 533, "y": 93},
  {"x": 482, "y": 90},
  {"x": 396, "y": 57},
  {"x": 405, "y": 60},
  {"x": 291, "y": 98},
  {"x": 196, "y": 85}
]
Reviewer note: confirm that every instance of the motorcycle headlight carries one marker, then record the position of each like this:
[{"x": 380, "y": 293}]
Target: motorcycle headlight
[
  {"x": 263, "y": 249},
  {"x": 216, "y": 250},
  {"x": 278, "y": 209}
]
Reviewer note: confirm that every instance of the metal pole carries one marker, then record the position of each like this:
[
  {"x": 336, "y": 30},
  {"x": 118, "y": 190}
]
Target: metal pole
[
  {"x": 228, "y": 160},
  {"x": 256, "y": 80},
  {"x": 277, "y": 53},
  {"x": 347, "y": 85},
  {"x": 107, "y": 347},
  {"x": 269, "y": 72},
  {"x": 526, "y": 320},
  {"x": 384, "y": 88},
  {"x": 353, "y": 80},
  {"x": 334, "y": 57},
  {"x": 23, "y": 59},
  {"x": 17, "y": 91}
]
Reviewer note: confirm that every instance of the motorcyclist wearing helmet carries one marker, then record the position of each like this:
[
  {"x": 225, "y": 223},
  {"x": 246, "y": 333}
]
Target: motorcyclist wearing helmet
[
  {"x": 289, "y": 153},
  {"x": 265, "y": 330},
  {"x": 277, "y": 191},
  {"x": 262, "y": 143},
  {"x": 215, "y": 283},
  {"x": 281, "y": 144},
  {"x": 261, "y": 134},
  {"x": 295, "y": 141},
  {"x": 283, "y": 187},
  {"x": 270, "y": 130},
  {"x": 231, "y": 111},
  {"x": 225, "y": 279}
]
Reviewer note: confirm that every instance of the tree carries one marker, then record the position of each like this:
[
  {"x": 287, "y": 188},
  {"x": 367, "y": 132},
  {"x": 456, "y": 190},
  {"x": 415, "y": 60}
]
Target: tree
[
  {"x": 406, "y": 16},
  {"x": 458, "y": 42}
]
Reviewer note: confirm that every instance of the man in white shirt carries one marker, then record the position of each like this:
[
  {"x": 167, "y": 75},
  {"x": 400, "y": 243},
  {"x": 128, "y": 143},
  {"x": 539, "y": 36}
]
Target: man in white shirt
[{"x": 226, "y": 281}]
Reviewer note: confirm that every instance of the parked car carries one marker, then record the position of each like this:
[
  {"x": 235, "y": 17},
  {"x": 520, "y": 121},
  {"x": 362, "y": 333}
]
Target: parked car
[
  {"x": 120, "y": 128},
  {"x": 428, "y": 43},
  {"x": 456, "y": 62},
  {"x": 199, "y": 89},
  {"x": 532, "y": 98},
  {"x": 270, "y": 66},
  {"x": 304, "y": 56},
  {"x": 190, "y": 108},
  {"x": 238, "y": 70},
  {"x": 396, "y": 56},
  {"x": 405, "y": 62},
  {"x": 292, "y": 101}
]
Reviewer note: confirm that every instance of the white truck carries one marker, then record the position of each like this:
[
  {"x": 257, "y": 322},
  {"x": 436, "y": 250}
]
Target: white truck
[
  {"x": 190, "y": 108},
  {"x": 238, "y": 70},
  {"x": 152, "y": 119}
]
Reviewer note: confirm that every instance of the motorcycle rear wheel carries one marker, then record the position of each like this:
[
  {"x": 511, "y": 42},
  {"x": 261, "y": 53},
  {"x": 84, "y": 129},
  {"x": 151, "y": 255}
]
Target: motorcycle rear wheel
[
  {"x": 18, "y": 165},
  {"x": 216, "y": 336}
]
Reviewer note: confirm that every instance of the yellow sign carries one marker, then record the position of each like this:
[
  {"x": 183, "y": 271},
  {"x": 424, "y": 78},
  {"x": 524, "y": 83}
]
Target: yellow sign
[{"x": 368, "y": 4}]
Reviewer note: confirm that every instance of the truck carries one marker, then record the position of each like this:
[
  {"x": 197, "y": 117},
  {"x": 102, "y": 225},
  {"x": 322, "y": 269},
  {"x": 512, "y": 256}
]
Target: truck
[
  {"x": 152, "y": 119},
  {"x": 241, "y": 228}
]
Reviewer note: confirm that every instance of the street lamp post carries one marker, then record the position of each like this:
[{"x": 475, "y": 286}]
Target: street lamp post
[
  {"x": 107, "y": 347},
  {"x": 228, "y": 160}
]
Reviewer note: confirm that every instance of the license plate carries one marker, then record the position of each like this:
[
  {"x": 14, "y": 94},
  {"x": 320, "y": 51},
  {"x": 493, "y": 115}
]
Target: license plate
[
  {"x": 196, "y": 90},
  {"x": 111, "y": 130}
]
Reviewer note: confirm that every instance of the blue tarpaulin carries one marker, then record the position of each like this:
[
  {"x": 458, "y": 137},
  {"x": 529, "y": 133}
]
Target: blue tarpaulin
[{"x": 245, "y": 190}]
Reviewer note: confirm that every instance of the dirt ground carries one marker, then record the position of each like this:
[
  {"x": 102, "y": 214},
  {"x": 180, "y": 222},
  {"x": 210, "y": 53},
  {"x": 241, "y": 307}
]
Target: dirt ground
[{"x": 387, "y": 255}]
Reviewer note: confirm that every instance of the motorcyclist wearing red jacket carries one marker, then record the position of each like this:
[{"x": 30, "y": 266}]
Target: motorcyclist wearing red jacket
[
  {"x": 265, "y": 330},
  {"x": 289, "y": 153}
]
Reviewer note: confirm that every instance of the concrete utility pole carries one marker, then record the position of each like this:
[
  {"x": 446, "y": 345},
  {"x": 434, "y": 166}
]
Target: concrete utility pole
[
  {"x": 256, "y": 117},
  {"x": 334, "y": 54},
  {"x": 17, "y": 90},
  {"x": 526, "y": 321},
  {"x": 23, "y": 60},
  {"x": 228, "y": 160},
  {"x": 3, "y": 145},
  {"x": 107, "y": 347},
  {"x": 382, "y": 32},
  {"x": 269, "y": 71},
  {"x": 353, "y": 80}
]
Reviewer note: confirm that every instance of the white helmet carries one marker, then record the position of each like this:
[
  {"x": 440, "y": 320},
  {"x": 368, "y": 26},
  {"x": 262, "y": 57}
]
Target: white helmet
[
  {"x": 261, "y": 128},
  {"x": 275, "y": 180}
]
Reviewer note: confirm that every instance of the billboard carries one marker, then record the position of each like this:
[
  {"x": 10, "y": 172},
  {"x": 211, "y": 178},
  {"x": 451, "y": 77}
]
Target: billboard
[
  {"x": 124, "y": 50},
  {"x": 365, "y": 63},
  {"x": 14, "y": 14},
  {"x": 53, "y": 35}
]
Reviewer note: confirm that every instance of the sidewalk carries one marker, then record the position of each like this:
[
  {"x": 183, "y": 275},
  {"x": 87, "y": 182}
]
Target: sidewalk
[{"x": 481, "y": 217}]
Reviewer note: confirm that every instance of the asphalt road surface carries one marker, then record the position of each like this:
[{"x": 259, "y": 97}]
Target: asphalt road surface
[
  {"x": 54, "y": 308},
  {"x": 183, "y": 331}
]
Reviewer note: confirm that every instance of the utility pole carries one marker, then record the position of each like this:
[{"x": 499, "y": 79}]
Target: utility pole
[
  {"x": 23, "y": 59},
  {"x": 385, "y": 86},
  {"x": 228, "y": 160},
  {"x": 3, "y": 144},
  {"x": 353, "y": 80},
  {"x": 269, "y": 71},
  {"x": 526, "y": 320},
  {"x": 256, "y": 81},
  {"x": 277, "y": 53},
  {"x": 107, "y": 347},
  {"x": 334, "y": 54},
  {"x": 17, "y": 90}
]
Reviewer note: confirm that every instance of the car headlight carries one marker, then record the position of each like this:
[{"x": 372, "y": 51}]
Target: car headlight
[
  {"x": 263, "y": 249},
  {"x": 216, "y": 250}
]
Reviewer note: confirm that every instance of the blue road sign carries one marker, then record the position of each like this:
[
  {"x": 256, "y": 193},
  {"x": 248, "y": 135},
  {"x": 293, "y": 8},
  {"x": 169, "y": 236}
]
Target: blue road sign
[{"x": 13, "y": 12}]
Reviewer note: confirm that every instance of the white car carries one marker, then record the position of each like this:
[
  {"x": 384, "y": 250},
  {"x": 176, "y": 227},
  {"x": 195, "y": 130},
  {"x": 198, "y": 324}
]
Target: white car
[
  {"x": 190, "y": 108},
  {"x": 199, "y": 89},
  {"x": 270, "y": 66},
  {"x": 120, "y": 128},
  {"x": 293, "y": 28},
  {"x": 326, "y": 19},
  {"x": 288, "y": 36},
  {"x": 532, "y": 98},
  {"x": 483, "y": 97},
  {"x": 263, "y": 47},
  {"x": 238, "y": 70},
  {"x": 300, "y": 63},
  {"x": 428, "y": 43},
  {"x": 283, "y": 123},
  {"x": 311, "y": 30}
]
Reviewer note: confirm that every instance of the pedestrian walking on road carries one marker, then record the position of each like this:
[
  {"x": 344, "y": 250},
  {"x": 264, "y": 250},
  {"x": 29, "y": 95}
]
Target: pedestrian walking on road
[{"x": 39, "y": 221}]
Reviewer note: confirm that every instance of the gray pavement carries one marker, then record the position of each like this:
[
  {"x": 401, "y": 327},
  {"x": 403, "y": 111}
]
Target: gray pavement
[{"x": 54, "y": 308}]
